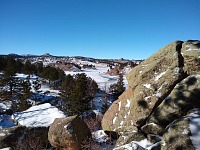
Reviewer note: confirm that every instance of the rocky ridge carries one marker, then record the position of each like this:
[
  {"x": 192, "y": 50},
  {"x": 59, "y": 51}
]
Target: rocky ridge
[{"x": 162, "y": 89}]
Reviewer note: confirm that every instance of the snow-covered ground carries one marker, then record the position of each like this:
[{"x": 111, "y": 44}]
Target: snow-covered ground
[
  {"x": 38, "y": 116},
  {"x": 5, "y": 121},
  {"x": 194, "y": 126},
  {"x": 99, "y": 75},
  {"x": 8, "y": 148},
  {"x": 5, "y": 105},
  {"x": 44, "y": 93}
]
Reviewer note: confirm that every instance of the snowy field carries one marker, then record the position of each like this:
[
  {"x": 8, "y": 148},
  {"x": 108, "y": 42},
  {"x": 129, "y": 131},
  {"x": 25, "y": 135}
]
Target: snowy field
[{"x": 99, "y": 75}]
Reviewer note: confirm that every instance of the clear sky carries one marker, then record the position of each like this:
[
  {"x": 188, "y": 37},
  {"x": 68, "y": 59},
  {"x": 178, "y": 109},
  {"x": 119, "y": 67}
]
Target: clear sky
[{"x": 132, "y": 29}]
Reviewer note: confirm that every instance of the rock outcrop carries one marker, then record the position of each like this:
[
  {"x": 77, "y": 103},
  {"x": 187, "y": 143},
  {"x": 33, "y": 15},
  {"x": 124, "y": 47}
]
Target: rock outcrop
[
  {"x": 68, "y": 133},
  {"x": 161, "y": 89}
]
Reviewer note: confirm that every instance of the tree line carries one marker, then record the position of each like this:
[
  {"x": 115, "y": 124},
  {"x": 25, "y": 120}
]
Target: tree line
[{"x": 77, "y": 91}]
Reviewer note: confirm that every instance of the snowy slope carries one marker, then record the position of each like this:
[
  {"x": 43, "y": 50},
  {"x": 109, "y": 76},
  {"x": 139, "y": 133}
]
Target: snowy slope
[{"x": 37, "y": 116}]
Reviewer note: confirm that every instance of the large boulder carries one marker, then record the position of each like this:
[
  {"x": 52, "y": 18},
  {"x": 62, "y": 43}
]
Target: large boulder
[
  {"x": 10, "y": 136},
  {"x": 68, "y": 133},
  {"x": 149, "y": 83},
  {"x": 184, "y": 97},
  {"x": 20, "y": 137},
  {"x": 183, "y": 133},
  {"x": 161, "y": 89}
]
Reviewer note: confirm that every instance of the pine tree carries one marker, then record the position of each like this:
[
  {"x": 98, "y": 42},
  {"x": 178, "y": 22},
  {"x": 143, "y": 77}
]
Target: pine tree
[
  {"x": 28, "y": 67},
  {"x": 118, "y": 88},
  {"x": 25, "y": 94},
  {"x": 36, "y": 84},
  {"x": 66, "y": 90},
  {"x": 77, "y": 93}
]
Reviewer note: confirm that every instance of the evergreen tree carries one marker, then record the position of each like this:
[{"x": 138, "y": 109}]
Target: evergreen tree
[
  {"x": 66, "y": 89},
  {"x": 25, "y": 93},
  {"x": 39, "y": 68},
  {"x": 50, "y": 73},
  {"x": 10, "y": 67},
  {"x": 79, "y": 96},
  {"x": 77, "y": 93},
  {"x": 118, "y": 88},
  {"x": 36, "y": 84},
  {"x": 28, "y": 68}
]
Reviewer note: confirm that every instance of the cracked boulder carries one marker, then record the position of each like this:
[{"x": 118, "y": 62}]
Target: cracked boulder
[
  {"x": 161, "y": 89},
  {"x": 149, "y": 83},
  {"x": 68, "y": 133}
]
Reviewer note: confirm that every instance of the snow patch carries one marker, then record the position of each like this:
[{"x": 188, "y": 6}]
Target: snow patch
[
  {"x": 193, "y": 49},
  {"x": 5, "y": 121},
  {"x": 146, "y": 98},
  {"x": 194, "y": 126},
  {"x": 148, "y": 86},
  {"x": 114, "y": 120},
  {"x": 168, "y": 98},
  {"x": 158, "y": 94},
  {"x": 36, "y": 116},
  {"x": 159, "y": 76},
  {"x": 185, "y": 132},
  {"x": 2, "y": 134},
  {"x": 121, "y": 123},
  {"x": 143, "y": 144},
  {"x": 128, "y": 104},
  {"x": 5, "y": 105},
  {"x": 69, "y": 128},
  {"x": 132, "y": 122},
  {"x": 119, "y": 106},
  {"x": 176, "y": 70},
  {"x": 153, "y": 124},
  {"x": 100, "y": 136},
  {"x": 7, "y": 148}
]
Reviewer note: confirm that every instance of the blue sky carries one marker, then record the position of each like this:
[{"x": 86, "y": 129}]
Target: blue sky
[{"x": 132, "y": 29}]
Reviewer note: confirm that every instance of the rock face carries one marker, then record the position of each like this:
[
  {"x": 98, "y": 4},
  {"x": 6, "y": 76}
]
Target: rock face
[
  {"x": 68, "y": 133},
  {"x": 184, "y": 97},
  {"x": 161, "y": 89}
]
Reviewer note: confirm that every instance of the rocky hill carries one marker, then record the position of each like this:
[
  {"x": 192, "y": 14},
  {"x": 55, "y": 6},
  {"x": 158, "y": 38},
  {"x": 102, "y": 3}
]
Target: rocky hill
[{"x": 158, "y": 104}]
